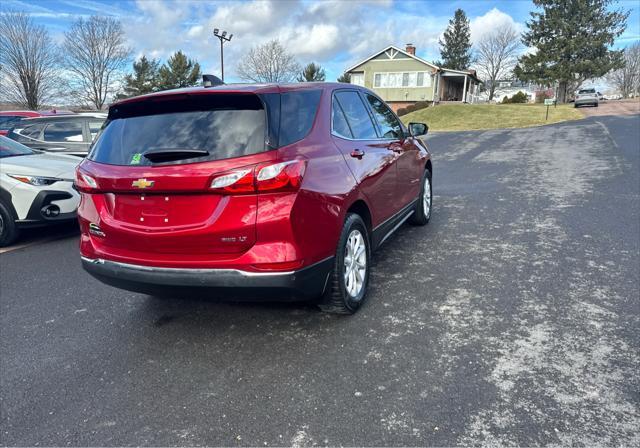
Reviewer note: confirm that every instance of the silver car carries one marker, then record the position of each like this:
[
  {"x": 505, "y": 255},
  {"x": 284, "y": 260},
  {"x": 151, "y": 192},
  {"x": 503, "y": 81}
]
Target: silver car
[{"x": 586, "y": 97}]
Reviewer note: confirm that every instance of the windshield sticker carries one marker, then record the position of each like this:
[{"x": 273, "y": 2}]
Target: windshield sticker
[{"x": 135, "y": 159}]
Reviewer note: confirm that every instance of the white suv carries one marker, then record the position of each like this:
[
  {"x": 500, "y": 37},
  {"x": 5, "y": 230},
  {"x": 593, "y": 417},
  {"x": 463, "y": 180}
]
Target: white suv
[
  {"x": 36, "y": 188},
  {"x": 586, "y": 96}
]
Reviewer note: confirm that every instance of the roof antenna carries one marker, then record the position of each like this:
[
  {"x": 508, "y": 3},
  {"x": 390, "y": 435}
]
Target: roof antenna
[{"x": 211, "y": 81}]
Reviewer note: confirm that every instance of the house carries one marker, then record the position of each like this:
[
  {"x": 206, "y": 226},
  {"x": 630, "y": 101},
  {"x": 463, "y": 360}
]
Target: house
[{"x": 401, "y": 78}]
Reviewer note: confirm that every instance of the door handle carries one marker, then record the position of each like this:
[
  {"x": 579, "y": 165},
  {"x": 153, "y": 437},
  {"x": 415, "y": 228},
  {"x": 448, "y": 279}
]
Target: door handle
[{"x": 357, "y": 153}]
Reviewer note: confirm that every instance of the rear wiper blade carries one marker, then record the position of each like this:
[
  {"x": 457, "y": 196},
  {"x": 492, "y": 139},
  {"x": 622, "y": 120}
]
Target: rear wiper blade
[{"x": 169, "y": 154}]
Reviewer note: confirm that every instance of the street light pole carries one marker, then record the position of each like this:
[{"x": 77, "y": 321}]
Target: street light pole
[{"x": 223, "y": 38}]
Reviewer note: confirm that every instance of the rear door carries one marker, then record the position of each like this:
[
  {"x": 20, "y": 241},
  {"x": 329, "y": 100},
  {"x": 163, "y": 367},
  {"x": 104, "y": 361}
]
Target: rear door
[
  {"x": 367, "y": 156},
  {"x": 155, "y": 161},
  {"x": 67, "y": 134},
  {"x": 410, "y": 166}
]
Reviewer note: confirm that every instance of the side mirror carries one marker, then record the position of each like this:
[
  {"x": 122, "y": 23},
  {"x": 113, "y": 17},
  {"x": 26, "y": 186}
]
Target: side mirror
[{"x": 418, "y": 129}]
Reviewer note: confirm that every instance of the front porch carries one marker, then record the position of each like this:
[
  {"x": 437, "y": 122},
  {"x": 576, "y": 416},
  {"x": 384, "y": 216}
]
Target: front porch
[{"x": 457, "y": 87}]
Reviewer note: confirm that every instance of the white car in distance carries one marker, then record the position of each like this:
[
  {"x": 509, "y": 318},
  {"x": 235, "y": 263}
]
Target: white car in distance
[{"x": 36, "y": 189}]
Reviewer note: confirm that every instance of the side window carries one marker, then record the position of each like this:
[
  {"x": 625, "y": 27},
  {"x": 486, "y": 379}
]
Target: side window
[
  {"x": 338, "y": 121},
  {"x": 388, "y": 122},
  {"x": 297, "y": 114},
  {"x": 31, "y": 131},
  {"x": 94, "y": 128},
  {"x": 63, "y": 131},
  {"x": 358, "y": 118}
]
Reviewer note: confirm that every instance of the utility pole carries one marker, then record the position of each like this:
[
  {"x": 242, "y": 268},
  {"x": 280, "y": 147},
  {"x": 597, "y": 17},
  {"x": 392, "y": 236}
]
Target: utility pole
[{"x": 223, "y": 38}]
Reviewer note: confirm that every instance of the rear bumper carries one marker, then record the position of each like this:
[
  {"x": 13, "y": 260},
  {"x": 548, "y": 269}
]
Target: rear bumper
[
  {"x": 304, "y": 284},
  {"x": 585, "y": 101}
]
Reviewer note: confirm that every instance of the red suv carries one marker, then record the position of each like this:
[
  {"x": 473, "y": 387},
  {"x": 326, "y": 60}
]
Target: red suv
[{"x": 246, "y": 190}]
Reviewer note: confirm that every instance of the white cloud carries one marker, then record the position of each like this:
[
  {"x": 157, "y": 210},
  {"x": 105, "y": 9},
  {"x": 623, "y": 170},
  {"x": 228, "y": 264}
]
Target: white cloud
[
  {"x": 335, "y": 34},
  {"x": 490, "y": 21}
]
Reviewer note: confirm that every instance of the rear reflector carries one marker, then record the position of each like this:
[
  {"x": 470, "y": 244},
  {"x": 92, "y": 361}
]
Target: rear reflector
[{"x": 280, "y": 266}]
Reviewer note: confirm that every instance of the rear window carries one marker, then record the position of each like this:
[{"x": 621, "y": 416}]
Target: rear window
[
  {"x": 63, "y": 131},
  {"x": 298, "y": 112},
  {"x": 10, "y": 148},
  {"x": 224, "y": 126},
  {"x": 586, "y": 91},
  {"x": 8, "y": 121}
]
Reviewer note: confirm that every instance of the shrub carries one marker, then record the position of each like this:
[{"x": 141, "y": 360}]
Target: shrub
[
  {"x": 542, "y": 95},
  {"x": 413, "y": 107},
  {"x": 518, "y": 98}
]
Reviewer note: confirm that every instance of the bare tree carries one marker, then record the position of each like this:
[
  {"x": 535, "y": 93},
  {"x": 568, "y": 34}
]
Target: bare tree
[
  {"x": 627, "y": 78},
  {"x": 269, "y": 62},
  {"x": 28, "y": 74},
  {"x": 95, "y": 55},
  {"x": 497, "y": 53}
]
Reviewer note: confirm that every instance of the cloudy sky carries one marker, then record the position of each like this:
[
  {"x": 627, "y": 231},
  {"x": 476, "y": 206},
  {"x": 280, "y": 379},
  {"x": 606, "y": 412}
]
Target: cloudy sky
[{"x": 335, "y": 34}]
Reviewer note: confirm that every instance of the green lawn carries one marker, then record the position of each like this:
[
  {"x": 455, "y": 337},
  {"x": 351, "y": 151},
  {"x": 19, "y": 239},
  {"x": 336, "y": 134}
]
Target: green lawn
[{"x": 462, "y": 117}]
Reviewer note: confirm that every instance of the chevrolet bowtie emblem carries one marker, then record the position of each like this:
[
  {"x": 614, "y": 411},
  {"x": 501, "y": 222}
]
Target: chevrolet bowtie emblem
[{"x": 142, "y": 183}]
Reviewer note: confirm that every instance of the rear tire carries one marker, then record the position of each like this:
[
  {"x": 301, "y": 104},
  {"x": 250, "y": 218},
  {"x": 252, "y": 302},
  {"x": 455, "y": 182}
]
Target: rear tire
[
  {"x": 348, "y": 284},
  {"x": 422, "y": 212},
  {"x": 8, "y": 229}
]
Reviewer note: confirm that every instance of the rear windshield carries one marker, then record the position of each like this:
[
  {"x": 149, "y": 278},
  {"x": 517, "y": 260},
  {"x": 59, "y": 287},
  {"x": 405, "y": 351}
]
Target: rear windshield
[
  {"x": 587, "y": 91},
  {"x": 8, "y": 121},
  {"x": 10, "y": 148},
  {"x": 189, "y": 128}
]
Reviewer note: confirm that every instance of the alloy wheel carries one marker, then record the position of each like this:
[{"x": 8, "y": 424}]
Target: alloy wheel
[
  {"x": 355, "y": 263},
  {"x": 426, "y": 197}
]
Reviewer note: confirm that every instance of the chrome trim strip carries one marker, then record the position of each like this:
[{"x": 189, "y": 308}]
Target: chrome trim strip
[
  {"x": 404, "y": 210},
  {"x": 396, "y": 227},
  {"x": 156, "y": 269}
]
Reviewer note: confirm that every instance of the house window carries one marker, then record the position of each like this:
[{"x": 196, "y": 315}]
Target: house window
[
  {"x": 357, "y": 79},
  {"x": 401, "y": 79}
]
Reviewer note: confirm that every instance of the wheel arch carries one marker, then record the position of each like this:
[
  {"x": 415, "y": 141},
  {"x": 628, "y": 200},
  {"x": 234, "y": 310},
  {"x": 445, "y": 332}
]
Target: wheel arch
[
  {"x": 361, "y": 208},
  {"x": 5, "y": 198}
]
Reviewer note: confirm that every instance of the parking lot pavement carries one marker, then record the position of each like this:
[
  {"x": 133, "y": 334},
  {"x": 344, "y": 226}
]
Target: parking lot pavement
[
  {"x": 39, "y": 235},
  {"x": 613, "y": 107},
  {"x": 512, "y": 319}
]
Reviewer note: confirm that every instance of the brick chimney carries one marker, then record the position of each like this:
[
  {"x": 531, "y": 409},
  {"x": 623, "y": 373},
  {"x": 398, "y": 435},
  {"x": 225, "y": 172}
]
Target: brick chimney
[{"x": 411, "y": 49}]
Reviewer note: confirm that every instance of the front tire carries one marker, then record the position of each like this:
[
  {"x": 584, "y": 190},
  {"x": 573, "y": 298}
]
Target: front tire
[
  {"x": 422, "y": 212},
  {"x": 347, "y": 287},
  {"x": 8, "y": 228}
]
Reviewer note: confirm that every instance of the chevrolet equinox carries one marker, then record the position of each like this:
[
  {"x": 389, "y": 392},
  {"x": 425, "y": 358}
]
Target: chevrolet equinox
[{"x": 280, "y": 190}]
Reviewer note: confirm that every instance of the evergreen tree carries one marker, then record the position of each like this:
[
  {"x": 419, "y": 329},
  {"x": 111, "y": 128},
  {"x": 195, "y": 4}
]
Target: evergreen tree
[
  {"x": 144, "y": 78},
  {"x": 455, "y": 48},
  {"x": 572, "y": 39},
  {"x": 311, "y": 73},
  {"x": 345, "y": 77},
  {"x": 178, "y": 71}
]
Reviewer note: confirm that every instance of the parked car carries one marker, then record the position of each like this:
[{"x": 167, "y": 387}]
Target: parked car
[
  {"x": 586, "y": 97},
  {"x": 36, "y": 189},
  {"x": 9, "y": 118},
  {"x": 70, "y": 134},
  {"x": 252, "y": 190}
]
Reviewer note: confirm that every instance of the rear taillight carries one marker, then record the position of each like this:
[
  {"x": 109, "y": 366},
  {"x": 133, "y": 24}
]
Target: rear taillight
[
  {"x": 266, "y": 177},
  {"x": 84, "y": 182},
  {"x": 284, "y": 176},
  {"x": 239, "y": 181}
]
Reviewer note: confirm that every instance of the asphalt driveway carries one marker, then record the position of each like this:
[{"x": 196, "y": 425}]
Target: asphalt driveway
[{"x": 512, "y": 318}]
